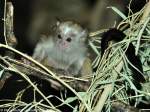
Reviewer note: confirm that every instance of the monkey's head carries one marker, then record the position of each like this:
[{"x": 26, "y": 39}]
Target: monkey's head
[{"x": 70, "y": 35}]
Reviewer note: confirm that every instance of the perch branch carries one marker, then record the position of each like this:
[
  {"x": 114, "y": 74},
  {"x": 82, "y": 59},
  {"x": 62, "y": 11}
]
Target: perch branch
[{"x": 77, "y": 83}]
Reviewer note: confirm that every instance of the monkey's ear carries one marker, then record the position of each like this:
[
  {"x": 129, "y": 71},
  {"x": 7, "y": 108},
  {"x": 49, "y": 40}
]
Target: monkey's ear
[
  {"x": 55, "y": 24},
  {"x": 84, "y": 33},
  {"x": 58, "y": 21}
]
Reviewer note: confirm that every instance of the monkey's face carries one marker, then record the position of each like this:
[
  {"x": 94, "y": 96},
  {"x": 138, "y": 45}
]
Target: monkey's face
[{"x": 69, "y": 36}]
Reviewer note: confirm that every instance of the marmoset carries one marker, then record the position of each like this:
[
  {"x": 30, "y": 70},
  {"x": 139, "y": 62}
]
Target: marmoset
[{"x": 65, "y": 48}]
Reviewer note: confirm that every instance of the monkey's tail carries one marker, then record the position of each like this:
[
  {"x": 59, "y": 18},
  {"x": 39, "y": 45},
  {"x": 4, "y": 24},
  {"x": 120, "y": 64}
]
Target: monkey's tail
[
  {"x": 117, "y": 35},
  {"x": 112, "y": 34}
]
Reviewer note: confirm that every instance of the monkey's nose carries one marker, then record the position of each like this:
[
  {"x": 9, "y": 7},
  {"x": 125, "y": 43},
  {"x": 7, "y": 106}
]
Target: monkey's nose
[{"x": 64, "y": 45}]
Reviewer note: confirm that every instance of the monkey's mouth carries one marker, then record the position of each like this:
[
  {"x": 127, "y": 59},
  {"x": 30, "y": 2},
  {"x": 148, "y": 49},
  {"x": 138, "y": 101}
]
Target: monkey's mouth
[{"x": 63, "y": 46}]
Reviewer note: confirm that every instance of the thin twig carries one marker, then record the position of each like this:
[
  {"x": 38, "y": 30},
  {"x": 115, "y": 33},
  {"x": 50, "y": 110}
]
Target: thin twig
[{"x": 5, "y": 23}]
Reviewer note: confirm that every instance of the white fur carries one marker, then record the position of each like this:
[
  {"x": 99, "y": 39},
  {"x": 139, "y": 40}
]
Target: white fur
[{"x": 70, "y": 59}]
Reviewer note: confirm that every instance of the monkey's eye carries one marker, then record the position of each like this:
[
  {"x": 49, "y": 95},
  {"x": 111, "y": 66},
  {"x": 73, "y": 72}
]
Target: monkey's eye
[
  {"x": 68, "y": 39},
  {"x": 59, "y": 36}
]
